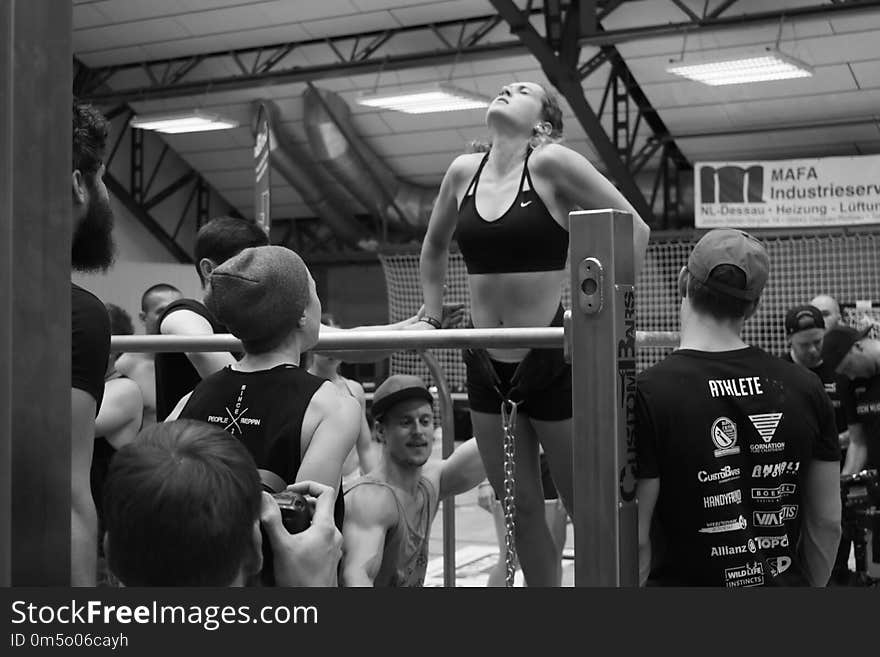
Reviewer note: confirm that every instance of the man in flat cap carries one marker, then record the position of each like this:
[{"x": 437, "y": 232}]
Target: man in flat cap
[{"x": 389, "y": 511}]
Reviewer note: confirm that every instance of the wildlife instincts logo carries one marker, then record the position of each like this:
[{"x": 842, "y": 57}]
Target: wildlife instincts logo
[
  {"x": 723, "y": 433},
  {"x": 732, "y": 184}
]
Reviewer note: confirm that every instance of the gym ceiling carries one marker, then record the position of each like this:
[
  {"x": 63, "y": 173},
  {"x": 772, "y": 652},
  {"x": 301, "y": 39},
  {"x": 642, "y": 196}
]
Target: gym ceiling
[{"x": 222, "y": 55}]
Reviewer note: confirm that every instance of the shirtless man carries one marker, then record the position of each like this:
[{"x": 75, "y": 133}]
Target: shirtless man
[
  {"x": 390, "y": 510},
  {"x": 141, "y": 368}
]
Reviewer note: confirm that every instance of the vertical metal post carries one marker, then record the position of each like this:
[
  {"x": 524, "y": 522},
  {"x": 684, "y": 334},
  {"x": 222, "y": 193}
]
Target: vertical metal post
[
  {"x": 137, "y": 165},
  {"x": 35, "y": 229},
  {"x": 603, "y": 349},
  {"x": 447, "y": 422}
]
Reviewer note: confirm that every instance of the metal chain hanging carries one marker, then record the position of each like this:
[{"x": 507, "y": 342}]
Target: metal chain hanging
[{"x": 508, "y": 422}]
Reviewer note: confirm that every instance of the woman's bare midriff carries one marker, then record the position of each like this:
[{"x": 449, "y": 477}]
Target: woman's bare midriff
[{"x": 514, "y": 300}]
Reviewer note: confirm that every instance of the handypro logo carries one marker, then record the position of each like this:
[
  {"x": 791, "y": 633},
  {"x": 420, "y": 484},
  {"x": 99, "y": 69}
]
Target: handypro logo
[{"x": 732, "y": 184}]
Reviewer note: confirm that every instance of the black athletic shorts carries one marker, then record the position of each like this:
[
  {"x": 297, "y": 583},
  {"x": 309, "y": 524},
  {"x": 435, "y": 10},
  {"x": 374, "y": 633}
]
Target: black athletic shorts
[{"x": 545, "y": 382}]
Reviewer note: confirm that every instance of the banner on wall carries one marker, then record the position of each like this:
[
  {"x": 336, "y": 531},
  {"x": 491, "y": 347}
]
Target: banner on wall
[
  {"x": 262, "y": 189},
  {"x": 828, "y": 191}
]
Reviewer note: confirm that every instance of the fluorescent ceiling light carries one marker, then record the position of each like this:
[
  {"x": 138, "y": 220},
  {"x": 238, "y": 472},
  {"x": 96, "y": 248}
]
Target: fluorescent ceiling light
[
  {"x": 178, "y": 122},
  {"x": 772, "y": 65},
  {"x": 440, "y": 98}
]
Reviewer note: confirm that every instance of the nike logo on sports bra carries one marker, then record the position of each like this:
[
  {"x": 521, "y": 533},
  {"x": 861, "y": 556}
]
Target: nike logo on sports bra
[{"x": 524, "y": 203}]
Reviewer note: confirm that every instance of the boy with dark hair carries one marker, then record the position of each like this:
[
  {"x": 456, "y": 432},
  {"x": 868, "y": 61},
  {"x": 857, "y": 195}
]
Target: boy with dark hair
[
  {"x": 92, "y": 250},
  {"x": 183, "y": 508},
  {"x": 178, "y": 373},
  {"x": 737, "y": 450}
]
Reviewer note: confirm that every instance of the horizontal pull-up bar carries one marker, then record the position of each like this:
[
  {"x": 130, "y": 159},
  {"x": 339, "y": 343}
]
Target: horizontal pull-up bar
[{"x": 551, "y": 337}]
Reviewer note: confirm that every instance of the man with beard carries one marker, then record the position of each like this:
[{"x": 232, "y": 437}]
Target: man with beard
[
  {"x": 389, "y": 511},
  {"x": 92, "y": 251}
]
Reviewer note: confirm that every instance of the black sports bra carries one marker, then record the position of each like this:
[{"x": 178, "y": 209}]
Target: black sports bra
[{"x": 524, "y": 238}]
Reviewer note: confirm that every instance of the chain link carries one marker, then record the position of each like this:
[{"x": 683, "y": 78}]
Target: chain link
[{"x": 508, "y": 422}]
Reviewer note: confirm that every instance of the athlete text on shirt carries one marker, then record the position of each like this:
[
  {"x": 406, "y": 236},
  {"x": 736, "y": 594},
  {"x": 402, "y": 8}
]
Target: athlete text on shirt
[{"x": 745, "y": 387}]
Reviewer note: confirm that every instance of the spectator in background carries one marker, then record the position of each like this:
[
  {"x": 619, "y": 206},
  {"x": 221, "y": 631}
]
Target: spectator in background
[
  {"x": 140, "y": 367},
  {"x": 854, "y": 355},
  {"x": 183, "y": 507},
  {"x": 92, "y": 250},
  {"x": 830, "y": 309},
  {"x": 366, "y": 452},
  {"x": 805, "y": 332}
]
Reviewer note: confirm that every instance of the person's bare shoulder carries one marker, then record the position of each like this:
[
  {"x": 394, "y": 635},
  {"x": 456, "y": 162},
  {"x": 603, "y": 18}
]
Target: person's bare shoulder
[
  {"x": 329, "y": 399},
  {"x": 371, "y": 503},
  {"x": 185, "y": 322}
]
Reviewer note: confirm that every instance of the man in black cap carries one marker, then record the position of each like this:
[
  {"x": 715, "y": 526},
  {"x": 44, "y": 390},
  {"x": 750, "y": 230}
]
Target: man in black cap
[
  {"x": 857, "y": 357},
  {"x": 738, "y": 461},
  {"x": 389, "y": 511},
  {"x": 805, "y": 331}
]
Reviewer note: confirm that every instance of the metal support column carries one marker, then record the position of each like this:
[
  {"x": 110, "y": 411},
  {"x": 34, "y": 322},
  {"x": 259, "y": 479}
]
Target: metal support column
[
  {"x": 35, "y": 237},
  {"x": 603, "y": 348}
]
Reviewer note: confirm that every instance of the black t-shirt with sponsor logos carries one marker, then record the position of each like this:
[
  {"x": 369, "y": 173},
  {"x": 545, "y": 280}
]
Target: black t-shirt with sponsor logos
[
  {"x": 730, "y": 434},
  {"x": 835, "y": 385},
  {"x": 265, "y": 411},
  {"x": 862, "y": 405}
]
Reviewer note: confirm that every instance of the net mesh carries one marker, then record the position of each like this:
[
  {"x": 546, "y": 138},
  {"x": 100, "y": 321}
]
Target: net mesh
[{"x": 844, "y": 266}]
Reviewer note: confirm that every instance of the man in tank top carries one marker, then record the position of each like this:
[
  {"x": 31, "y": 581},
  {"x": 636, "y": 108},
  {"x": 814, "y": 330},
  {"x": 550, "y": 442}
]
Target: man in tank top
[{"x": 390, "y": 510}]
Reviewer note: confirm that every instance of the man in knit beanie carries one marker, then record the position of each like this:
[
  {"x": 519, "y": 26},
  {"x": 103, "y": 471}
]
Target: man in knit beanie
[{"x": 296, "y": 425}]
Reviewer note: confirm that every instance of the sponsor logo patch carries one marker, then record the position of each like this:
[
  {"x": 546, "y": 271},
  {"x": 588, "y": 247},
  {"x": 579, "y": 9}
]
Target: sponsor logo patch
[
  {"x": 722, "y": 499},
  {"x": 775, "y": 518},
  {"x": 726, "y": 473},
  {"x": 750, "y": 574},
  {"x": 775, "y": 469},
  {"x": 778, "y": 565},
  {"x": 727, "y": 550},
  {"x": 771, "y": 542},
  {"x": 724, "y": 435},
  {"x": 765, "y": 424},
  {"x": 773, "y": 493},
  {"x": 721, "y": 526}
]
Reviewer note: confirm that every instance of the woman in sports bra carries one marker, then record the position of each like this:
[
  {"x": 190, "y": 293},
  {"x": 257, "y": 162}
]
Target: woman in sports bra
[{"x": 508, "y": 210}]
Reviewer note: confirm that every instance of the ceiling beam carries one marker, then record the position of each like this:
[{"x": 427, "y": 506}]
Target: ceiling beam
[{"x": 182, "y": 80}]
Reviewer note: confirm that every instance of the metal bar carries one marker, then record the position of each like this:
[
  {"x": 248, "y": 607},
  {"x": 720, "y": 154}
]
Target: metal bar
[
  {"x": 118, "y": 141},
  {"x": 441, "y": 38},
  {"x": 164, "y": 193},
  {"x": 687, "y": 10},
  {"x": 162, "y": 154},
  {"x": 136, "y": 173},
  {"x": 121, "y": 194},
  {"x": 720, "y": 9},
  {"x": 185, "y": 211},
  {"x": 546, "y": 338},
  {"x": 447, "y": 420},
  {"x": 603, "y": 348}
]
